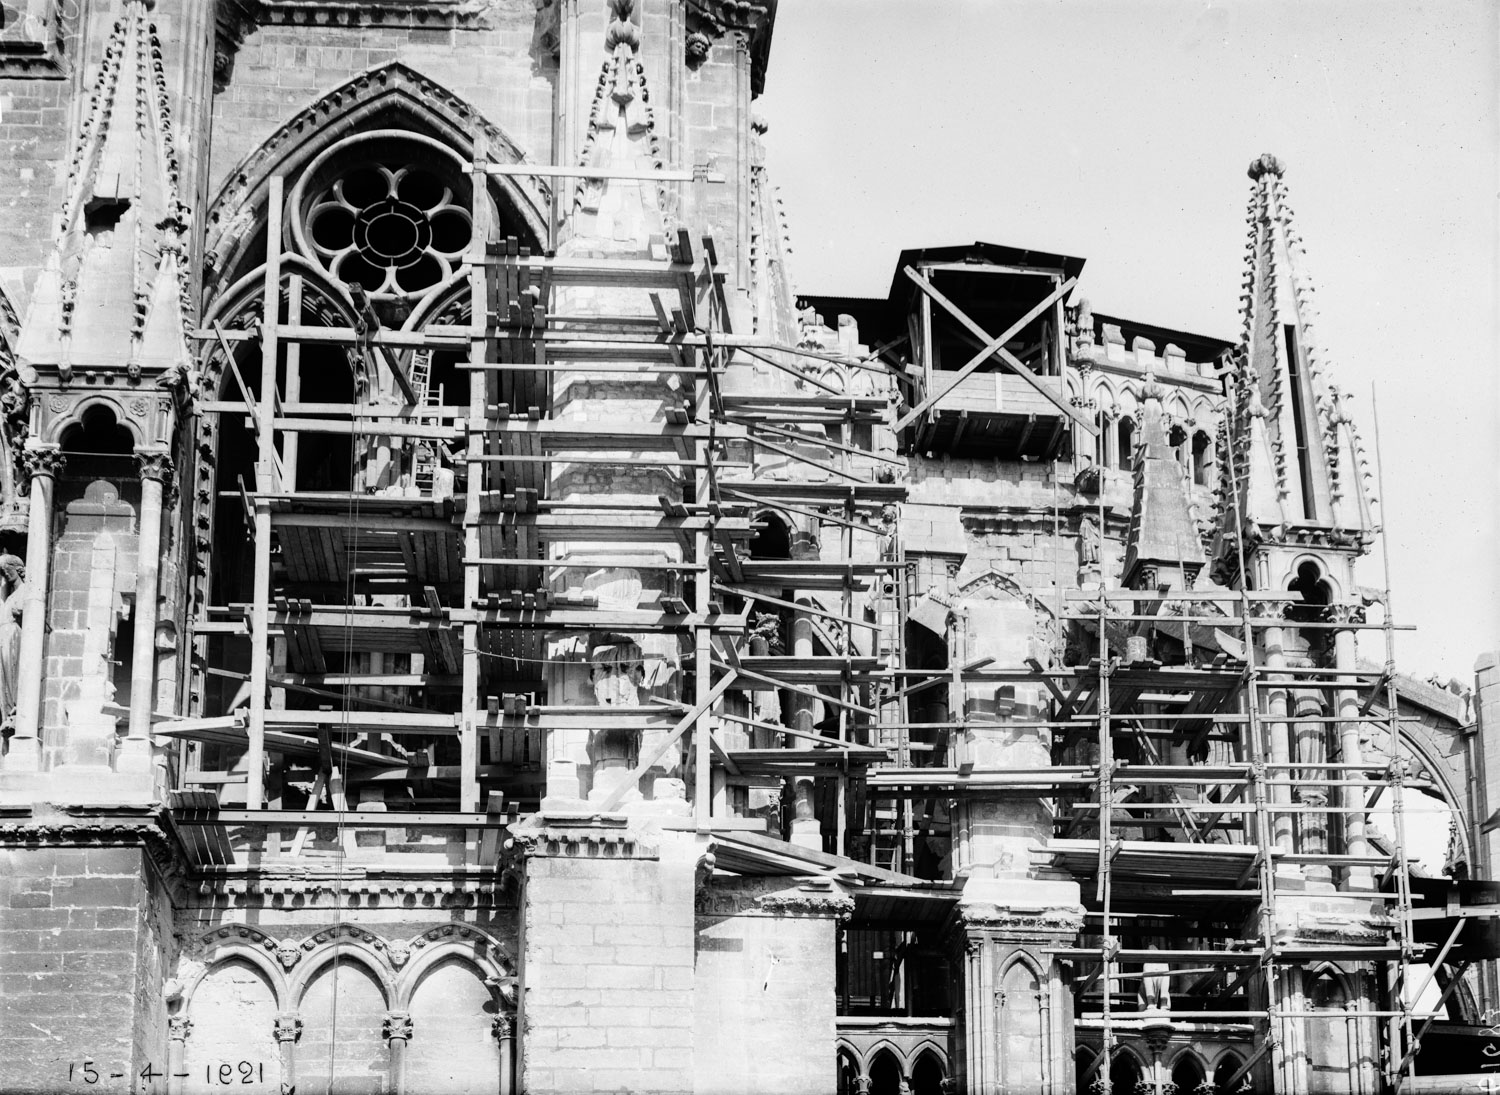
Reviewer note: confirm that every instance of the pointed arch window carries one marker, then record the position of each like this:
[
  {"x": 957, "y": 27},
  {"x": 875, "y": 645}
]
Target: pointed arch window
[
  {"x": 1125, "y": 434},
  {"x": 1203, "y": 458}
]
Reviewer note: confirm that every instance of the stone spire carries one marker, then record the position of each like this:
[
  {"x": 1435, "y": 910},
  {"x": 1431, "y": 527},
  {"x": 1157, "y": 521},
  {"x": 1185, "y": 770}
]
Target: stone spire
[
  {"x": 116, "y": 293},
  {"x": 1162, "y": 546},
  {"x": 1298, "y": 465}
]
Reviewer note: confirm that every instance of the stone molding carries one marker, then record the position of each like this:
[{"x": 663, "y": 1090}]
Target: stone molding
[
  {"x": 60, "y": 832},
  {"x": 598, "y": 836},
  {"x": 31, "y": 46},
  {"x": 355, "y": 893},
  {"x": 403, "y": 14},
  {"x": 1020, "y": 924},
  {"x": 834, "y": 905},
  {"x": 1310, "y": 929},
  {"x": 772, "y": 897}
]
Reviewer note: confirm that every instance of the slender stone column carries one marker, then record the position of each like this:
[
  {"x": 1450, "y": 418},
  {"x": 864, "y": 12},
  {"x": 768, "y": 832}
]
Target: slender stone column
[
  {"x": 25, "y": 755},
  {"x": 1281, "y": 744},
  {"x": 1345, "y": 659},
  {"x": 397, "y": 1031},
  {"x": 805, "y": 828},
  {"x": 156, "y": 473},
  {"x": 1312, "y": 754},
  {"x": 288, "y": 1030},
  {"x": 504, "y": 1028},
  {"x": 178, "y": 1029}
]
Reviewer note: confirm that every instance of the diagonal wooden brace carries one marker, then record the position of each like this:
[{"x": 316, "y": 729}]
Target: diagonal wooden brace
[
  {"x": 682, "y": 727},
  {"x": 997, "y": 348}
]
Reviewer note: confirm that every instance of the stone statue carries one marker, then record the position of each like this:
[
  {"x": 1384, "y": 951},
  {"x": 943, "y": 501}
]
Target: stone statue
[
  {"x": 13, "y": 575},
  {"x": 1090, "y": 541},
  {"x": 1156, "y": 986}
]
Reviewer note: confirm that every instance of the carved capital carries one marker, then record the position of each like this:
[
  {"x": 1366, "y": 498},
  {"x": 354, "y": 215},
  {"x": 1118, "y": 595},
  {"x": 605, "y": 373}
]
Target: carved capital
[
  {"x": 396, "y": 1026},
  {"x": 288, "y": 1027},
  {"x": 155, "y": 465},
  {"x": 1345, "y": 614},
  {"x": 179, "y": 1027},
  {"x": 503, "y": 1027},
  {"x": 48, "y": 461}
]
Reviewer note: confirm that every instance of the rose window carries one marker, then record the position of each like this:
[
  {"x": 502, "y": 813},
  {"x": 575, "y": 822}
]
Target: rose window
[{"x": 395, "y": 230}]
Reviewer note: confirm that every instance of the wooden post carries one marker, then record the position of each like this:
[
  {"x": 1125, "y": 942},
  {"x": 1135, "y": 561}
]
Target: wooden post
[
  {"x": 265, "y": 483},
  {"x": 293, "y": 382},
  {"x": 479, "y": 382}
]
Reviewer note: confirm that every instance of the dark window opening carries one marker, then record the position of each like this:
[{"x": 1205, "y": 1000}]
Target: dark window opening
[
  {"x": 1126, "y": 445},
  {"x": 122, "y": 655},
  {"x": 1299, "y": 421},
  {"x": 1177, "y": 438},
  {"x": 1202, "y": 459},
  {"x": 98, "y": 447}
]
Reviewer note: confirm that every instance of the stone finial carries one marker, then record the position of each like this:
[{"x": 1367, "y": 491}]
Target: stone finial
[
  {"x": 622, "y": 31},
  {"x": 1152, "y": 389},
  {"x": 1265, "y": 164}
]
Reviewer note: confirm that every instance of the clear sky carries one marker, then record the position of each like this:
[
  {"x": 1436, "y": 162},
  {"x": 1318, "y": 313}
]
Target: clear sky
[{"x": 1120, "y": 130}]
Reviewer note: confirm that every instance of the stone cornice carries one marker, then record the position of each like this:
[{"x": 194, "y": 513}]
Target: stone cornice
[
  {"x": 599, "y": 836},
  {"x": 69, "y": 830},
  {"x": 772, "y": 897},
  {"x": 1020, "y": 924},
  {"x": 354, "y": 893},
  {"x": 435, "y": 14}
]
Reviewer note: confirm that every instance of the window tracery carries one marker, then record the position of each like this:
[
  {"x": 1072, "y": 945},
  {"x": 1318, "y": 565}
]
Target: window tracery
[
  {"x": 389, "y": 211},
  {"x": 396, "y": 229}
]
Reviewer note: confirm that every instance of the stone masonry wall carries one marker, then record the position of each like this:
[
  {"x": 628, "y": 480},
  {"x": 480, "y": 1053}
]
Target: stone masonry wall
[
  {"x": 608, "y": 976},
  {"x": 33, "y": 145},
  {"x": 93, "y": 570},
  {"x": 278, "y": 70},
  {"x": 774, "y": 976},
  {"x": 80, "y": 964}
]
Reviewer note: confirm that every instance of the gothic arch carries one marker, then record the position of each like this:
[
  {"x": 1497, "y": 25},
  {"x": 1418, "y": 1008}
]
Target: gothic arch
[
  {"x": 1103, "y": 393},
  {"x": 339, "y": 950},
  {"x": 391, "y": 95},
  {"x": 251, "y": 952},
  {"x": 486, "y": 954},
  {"x": 1021, "y": 958},
  {"x": 1228, "y": 1062},
  {"x": 54, "y": 426},
  {"x": 1340, "y": 978},
  {"x": 874, "y": 1050},
  {"x": 1326, "y": 574}
]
